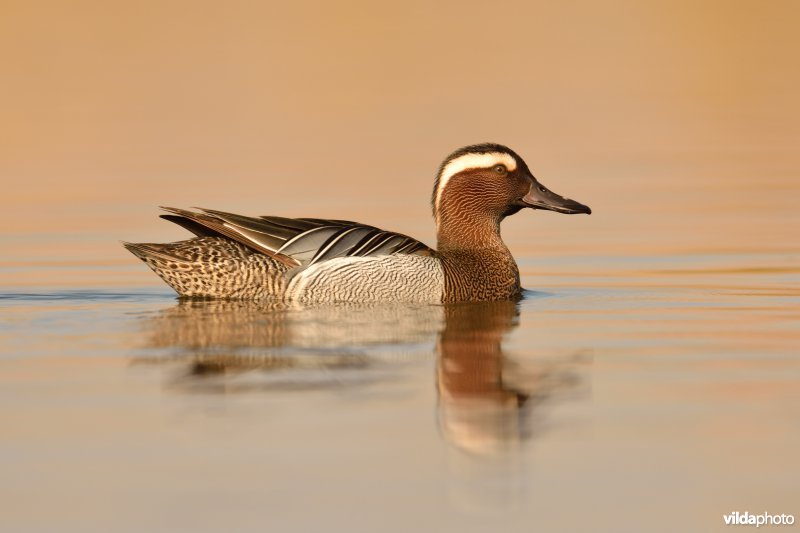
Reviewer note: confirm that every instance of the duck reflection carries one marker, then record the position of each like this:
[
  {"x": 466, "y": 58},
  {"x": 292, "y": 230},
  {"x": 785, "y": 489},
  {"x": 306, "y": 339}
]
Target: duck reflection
[
  {"x": 479, "y": 409},
  {"x": 215, "y": 342},
  {"x": 485, "y": 398}
]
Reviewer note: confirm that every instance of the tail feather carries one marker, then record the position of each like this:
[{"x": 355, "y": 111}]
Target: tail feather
[{"x": 145, "y": 251}]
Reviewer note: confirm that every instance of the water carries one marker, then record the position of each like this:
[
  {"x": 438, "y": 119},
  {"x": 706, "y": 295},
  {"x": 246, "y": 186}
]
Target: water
[{"x": 588, "y": 404}]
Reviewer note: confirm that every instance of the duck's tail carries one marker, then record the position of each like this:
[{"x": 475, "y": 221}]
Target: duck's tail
[{"x": 212, "y": 267}]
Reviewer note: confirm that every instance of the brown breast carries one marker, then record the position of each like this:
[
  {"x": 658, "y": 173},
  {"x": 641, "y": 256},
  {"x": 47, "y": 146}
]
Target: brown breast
[{"x": 479, "y": 275}]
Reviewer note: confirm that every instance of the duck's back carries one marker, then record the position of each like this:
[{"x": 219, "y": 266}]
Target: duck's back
[{"x": 309, "y": 260}]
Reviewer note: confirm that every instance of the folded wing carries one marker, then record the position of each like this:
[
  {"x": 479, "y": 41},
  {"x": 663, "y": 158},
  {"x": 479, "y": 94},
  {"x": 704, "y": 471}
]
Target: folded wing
[{"x": 297, "y": 242}]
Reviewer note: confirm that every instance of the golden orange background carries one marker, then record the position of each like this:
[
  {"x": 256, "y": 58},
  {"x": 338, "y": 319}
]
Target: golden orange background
[{"x": 678, "y": 122}]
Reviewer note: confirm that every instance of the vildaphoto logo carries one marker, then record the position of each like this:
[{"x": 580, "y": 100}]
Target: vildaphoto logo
[{"x": 765, "y": 519}]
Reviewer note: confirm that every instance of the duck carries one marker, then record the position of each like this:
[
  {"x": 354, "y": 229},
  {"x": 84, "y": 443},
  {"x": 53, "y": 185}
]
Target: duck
[{"x": 314, "y": 260}]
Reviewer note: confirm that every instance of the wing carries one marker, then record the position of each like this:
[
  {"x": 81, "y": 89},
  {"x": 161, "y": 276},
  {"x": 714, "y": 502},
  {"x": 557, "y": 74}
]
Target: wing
[{"x": 297, "y": 241}]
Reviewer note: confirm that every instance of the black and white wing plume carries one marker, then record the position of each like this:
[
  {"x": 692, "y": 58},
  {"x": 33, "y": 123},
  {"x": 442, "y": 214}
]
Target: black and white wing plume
[{"x": 297, "y": 242}]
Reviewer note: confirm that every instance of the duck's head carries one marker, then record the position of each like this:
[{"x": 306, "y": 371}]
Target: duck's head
[{"x": 492, "y": 180}]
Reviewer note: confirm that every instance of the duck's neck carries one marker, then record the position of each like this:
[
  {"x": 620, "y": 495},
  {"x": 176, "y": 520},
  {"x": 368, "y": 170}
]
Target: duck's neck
[
  {"x": 469, "y": 231},
  {"x": 477, "y": 264}
]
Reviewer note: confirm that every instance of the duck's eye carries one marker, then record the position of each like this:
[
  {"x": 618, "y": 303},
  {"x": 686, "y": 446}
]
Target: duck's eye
[{"x": 500, "y": 169}]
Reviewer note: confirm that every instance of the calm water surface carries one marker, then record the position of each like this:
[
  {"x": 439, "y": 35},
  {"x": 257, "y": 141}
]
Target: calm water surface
[{"x": 603, "y": 401}]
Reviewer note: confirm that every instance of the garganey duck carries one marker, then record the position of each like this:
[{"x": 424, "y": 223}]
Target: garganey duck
[{"x": 315, "y": 260}]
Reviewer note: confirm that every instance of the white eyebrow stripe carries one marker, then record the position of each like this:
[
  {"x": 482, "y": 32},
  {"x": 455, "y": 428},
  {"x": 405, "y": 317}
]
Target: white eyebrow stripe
[{"x": 467, "y": 161}]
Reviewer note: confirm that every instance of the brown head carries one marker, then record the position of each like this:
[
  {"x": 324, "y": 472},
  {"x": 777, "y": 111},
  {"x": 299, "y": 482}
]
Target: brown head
[{"x": 478, "y": 186}]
